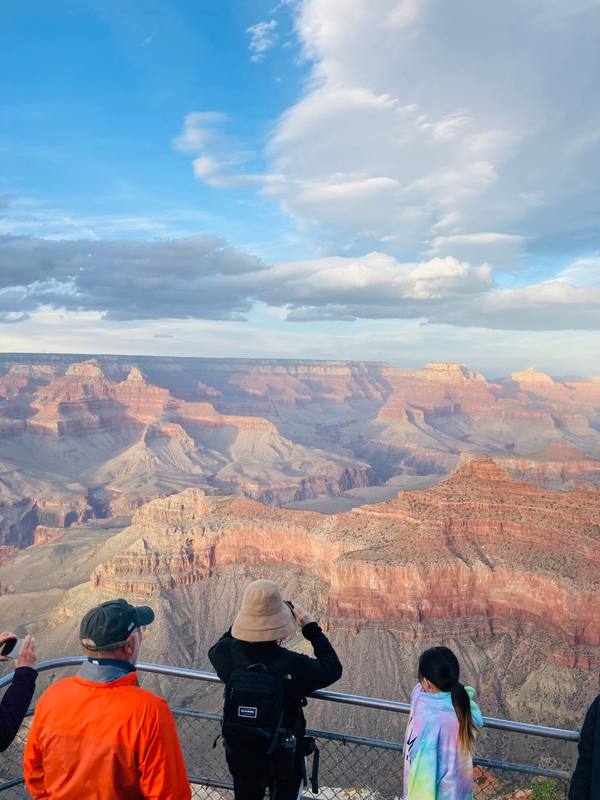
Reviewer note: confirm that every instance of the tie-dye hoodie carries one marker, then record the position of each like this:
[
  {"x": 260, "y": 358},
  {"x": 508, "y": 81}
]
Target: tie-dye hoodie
[{"x": 435, "y": 767}]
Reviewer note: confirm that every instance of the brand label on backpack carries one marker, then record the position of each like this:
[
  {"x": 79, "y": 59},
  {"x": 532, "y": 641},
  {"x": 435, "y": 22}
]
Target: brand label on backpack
[{"x": 248, "y": 712}]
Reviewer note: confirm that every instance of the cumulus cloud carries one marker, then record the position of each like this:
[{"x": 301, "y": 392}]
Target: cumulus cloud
[
  {"x": 263, "y": 36},
  {"x": 203, "y": 278},
  {"x": 437, "y": 129},
  {"x": 200, "y": 277},
  {"x": 552, "y": 305},
  {"x": 373, "y": 286},
  {"x": 449, "y": 117}
]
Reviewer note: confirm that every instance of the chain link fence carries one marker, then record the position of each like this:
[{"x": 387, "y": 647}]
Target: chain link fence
[
  {"x": 356, "y": 768},
  {"x": 351, "y": 767}
]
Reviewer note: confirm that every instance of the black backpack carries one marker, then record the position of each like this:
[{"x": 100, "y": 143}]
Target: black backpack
[{"x": 253, "y": 732}]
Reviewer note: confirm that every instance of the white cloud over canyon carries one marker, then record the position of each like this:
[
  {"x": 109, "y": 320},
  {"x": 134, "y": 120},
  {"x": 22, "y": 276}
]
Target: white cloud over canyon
[{"x": 202, "y": 277}]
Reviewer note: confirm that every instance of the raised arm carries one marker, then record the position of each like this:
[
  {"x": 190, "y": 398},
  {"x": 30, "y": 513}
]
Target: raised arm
[
  {"x": 17, "y": 697},
  {"x": 325, "y": 668}
]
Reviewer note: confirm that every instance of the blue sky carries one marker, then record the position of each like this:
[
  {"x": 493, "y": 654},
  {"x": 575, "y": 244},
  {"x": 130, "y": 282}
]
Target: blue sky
[
  {"x": 402, "y": 182},
  {"x": 94, "y": 93}
]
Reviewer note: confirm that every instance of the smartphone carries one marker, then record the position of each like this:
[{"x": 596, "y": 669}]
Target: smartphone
[
  {"x": 12, "y": 647},
  {"x": 291, "y": 606}
]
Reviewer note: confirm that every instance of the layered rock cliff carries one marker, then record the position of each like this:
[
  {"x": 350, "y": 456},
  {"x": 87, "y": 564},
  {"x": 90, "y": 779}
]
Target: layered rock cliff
[
  {"x": 558, "y": 466},
  {"x": 478, "y": 555},
  {"x": 117, "y": 431}
]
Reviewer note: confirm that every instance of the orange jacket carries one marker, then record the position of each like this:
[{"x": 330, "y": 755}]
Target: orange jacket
[{"x": 104, "y": 741}]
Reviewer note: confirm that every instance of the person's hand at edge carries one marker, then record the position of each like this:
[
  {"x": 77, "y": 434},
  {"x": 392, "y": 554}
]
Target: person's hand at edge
[
  {"x": 28, "y": 655},
  {"x": 303, "y": 617},
  {"x": 3, "y": 638}
]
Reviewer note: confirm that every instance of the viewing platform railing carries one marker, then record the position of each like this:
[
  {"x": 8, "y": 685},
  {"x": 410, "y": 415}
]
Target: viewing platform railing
[{"x": 352, "y": 767}]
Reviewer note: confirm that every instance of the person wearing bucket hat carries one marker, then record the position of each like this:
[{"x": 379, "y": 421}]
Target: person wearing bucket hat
[
  {"x": 98, "y": 733},
  {"x": 249, "y": 659}
]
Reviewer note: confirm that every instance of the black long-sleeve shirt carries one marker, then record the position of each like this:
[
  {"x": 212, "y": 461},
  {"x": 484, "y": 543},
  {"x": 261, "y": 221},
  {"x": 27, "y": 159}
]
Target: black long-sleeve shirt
[
  {"x": 585, "y": 783},
  {"x": 15, "y": 703},
  {"x": 307, "y": 674}
]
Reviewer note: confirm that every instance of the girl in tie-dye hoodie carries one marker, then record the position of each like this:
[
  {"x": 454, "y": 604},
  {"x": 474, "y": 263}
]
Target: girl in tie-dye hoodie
[{"x": 438, "y": 763}]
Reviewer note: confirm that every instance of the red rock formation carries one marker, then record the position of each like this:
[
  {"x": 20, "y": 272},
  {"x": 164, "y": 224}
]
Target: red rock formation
[
  {"x": 438, "y": 389},
  {"x": 20, "y": 517},
  {"x": 295, "y": 383},
  {"x": 478, "y": 554},
  {"x": 60, "y": 512},
  {"x": 43, "y": 534},
  {"x": 560, "y": 465},
  {"x": 156, "y": 443},
  {"x": 277, "y": 431}
]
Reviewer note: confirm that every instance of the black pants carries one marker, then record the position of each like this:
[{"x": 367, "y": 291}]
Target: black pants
[{"x": 253, "y": 787}]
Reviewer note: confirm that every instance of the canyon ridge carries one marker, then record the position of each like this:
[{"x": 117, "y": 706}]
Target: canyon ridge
[{"x": 88, "y": 438}]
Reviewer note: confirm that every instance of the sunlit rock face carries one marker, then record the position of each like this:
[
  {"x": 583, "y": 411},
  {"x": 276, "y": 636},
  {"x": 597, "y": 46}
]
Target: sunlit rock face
[{"x": 478, "y": 555}]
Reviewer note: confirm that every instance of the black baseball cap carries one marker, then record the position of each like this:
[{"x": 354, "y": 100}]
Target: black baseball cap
[{"x": 110, "y": 624}]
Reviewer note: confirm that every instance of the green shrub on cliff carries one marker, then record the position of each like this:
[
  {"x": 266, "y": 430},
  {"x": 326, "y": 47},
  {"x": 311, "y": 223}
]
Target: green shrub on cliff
[{"x": 545, "y": 789}]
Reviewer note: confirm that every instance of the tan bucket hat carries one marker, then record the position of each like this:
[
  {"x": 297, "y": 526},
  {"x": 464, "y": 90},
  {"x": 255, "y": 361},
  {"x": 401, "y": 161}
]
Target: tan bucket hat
[{"x": 263, "y": 616}]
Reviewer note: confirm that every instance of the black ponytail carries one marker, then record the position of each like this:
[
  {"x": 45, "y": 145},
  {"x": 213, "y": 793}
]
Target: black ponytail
[{"x": 440, "y": 666}]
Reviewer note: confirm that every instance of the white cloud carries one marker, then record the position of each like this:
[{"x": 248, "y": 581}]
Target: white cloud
[
  {"x": 544, "y": 306},
  {"x": 376, "y": 281},
  {"x": 202, "y": 277},
  {"x": 263, "y": 36},
  {"x": 455, "y": 121},
  {"x": 220, "y": 161},
  {"x": 582, "y": 272},
  {"x": 432, "y": 129},
  {"x": 199, "y": 130}
]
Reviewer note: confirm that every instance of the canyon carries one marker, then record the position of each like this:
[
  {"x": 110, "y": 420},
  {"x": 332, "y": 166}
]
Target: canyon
[
  {"x": 466, "y": 513},
  {"x": 504, "y": 572},
  {"x": 78, "y": 444},
  {"x": 84, "y": 438}
]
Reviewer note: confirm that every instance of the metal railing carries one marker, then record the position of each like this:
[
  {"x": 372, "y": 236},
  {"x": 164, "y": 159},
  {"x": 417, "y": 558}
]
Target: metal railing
[{"x": 351, "y": 766}]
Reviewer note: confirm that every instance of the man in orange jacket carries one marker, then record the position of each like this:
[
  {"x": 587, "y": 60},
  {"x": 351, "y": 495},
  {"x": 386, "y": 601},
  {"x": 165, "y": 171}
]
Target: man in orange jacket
[{"x": 98, "y": 734}]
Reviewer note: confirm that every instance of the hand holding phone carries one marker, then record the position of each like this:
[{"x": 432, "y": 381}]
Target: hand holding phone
[
  {"x": 28, "y": 653},
  {"x": 8, "y": 639},
  {"x": 23, "y": 651},
  {"x": 301, "y": 615}
]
